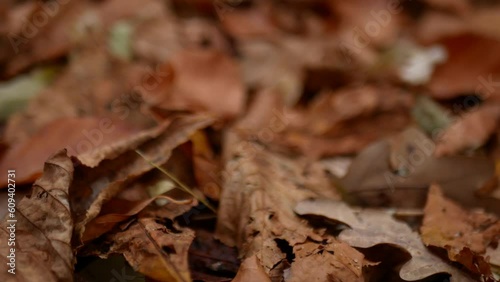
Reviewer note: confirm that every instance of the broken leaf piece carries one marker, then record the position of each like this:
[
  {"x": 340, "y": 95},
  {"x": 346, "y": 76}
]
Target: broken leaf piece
[
  {"x": 465, "y": 235},
  {"x": 153, "y": 249},
  {"x": 43, "y": 228},
  {"x": 370, "y": 228}
]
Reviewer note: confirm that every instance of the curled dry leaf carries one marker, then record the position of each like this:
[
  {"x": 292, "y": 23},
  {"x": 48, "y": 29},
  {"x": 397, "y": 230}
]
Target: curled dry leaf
[
  {"x": 123, "y": 210},
  {"x": 43, "y": 230},
  {"x": 370, "y": 228},
  {"x": 255, "y": 214},
  {"x": 80, "y": 136},
  {"x": 93, "y": 186},
  {"x": 465, "y": 235},
  {"x": 152, "y": 248}
]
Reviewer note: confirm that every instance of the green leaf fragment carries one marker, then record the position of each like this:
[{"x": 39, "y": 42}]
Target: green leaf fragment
[
  {"x": 430, "y": 116},
  {"x": 120, "y": 40},
  {"x": 16, "y": 93}
]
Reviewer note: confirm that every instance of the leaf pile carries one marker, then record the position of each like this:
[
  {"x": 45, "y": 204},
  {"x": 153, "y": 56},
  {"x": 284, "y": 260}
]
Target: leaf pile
[{"x": 250, "y": 140}]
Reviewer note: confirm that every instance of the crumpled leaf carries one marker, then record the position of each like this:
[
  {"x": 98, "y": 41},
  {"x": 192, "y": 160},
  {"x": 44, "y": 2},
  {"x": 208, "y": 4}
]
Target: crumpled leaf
[
  {"x": 465, "y": 235},
  {"x": 93, "y": 186},
  {"x": 122, "y": 210},
  {"x": 255, "y": 212},
  {"x": 43, "y": 229},
  {"x": 152, "y": 248},
  {"x": 370, "y": 228}
]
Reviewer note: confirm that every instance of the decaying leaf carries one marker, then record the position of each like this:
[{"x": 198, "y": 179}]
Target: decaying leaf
[
  {"x": 465, "y": 235},
  {"x": 151, "y": 248},
  {"x": 93, "y": 186},
  {"x": 42, "y": 226},
  {"x": 255, "y": 215},
  {"x": 369, "y": 228}
]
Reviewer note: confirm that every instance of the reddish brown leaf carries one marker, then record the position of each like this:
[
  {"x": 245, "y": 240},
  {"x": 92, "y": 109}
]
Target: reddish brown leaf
[
  {"x": 465, "y": 235},
  {"x": 78, "y": 135}
]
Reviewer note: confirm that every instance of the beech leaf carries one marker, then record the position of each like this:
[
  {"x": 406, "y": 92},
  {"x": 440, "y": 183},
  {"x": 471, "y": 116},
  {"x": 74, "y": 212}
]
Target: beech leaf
[{"x": 44, "y": 227}]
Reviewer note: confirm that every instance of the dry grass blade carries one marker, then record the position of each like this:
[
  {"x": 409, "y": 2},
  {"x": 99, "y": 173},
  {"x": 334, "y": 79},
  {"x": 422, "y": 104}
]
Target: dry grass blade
[{"x": 184, "y": 187}]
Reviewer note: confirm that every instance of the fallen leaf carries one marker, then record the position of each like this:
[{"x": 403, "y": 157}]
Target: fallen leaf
[
  {"x": 464, "y": 235},
  {"x": 204, "y": 81},
  {"x": 469, "y": 131},
  {"x": 78, "y": 135},
  {"x": 462, "y": 73},
  {"x": 251, "y": 270},
  {"x": 43, "y": 226},
  {"x": 123, "y": 210},
  {"x": 372, "y": 180},
  {"x": 255, "y": 213},
  {"x": 152, "y": 248},
  {"x": 94, "y": 186},
  {"x": 370, "y": 228}
]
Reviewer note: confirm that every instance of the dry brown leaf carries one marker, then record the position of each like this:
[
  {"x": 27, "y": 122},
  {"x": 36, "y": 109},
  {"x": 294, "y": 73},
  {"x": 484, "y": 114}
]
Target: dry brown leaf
[
  {"x": 68, "y": 25},
  {"x": 462, "y": 73},
  {"x": 370, "y": 228},
  {"x": 121, "y": 211},
  {"x": 204, "y": 81},
  {"x": 95, "y": 186},
  {"x": 255, "y": 212},
  {"x": 153, "y": 248},
  {"x": 104, "y": 93},
  {"x": 251, "y": 270},
  {"x": 469, "y": 131},
  {"x": 342, "y": 122},
  {"x": 372, "y": 180},
  {"x": 206, "y": 166},
  {"x": 44, "y": 228},
  {"x": 465, "y": 235},
  {"x": 78, "y": 135},
  {"x": 248, "y": 23},
  {"x": 331, "y": 108},
  {"x": 160, "y": 39}
]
